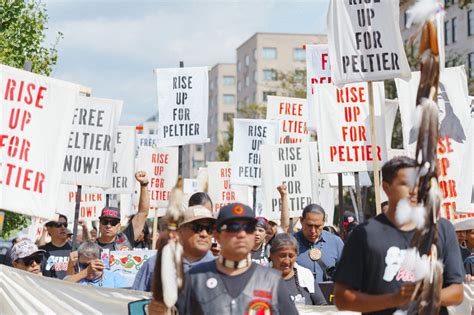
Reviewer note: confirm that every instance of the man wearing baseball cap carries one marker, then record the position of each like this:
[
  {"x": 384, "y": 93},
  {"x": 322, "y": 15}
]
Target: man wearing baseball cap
[
  {"x": 195, "y": 234},
  {"x": 232, "y": 284},
  {"x": 26, "y": 256},
  {"x": 109, "y": 221}
]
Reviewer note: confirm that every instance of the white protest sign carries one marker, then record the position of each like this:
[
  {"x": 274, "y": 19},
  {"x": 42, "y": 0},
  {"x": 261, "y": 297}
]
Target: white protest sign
[
  {"x": 348, "y": 179},
  {"x": 249, "y": 135},
  {"x": 220, "y": 190},
  {"x": 318, "y": 71},
  {"x": 190, "y": 186},
  {"x": 161, "y": 165},
  {"x": 287, "y": 164},
  {"x": 344, "y": 134},
  {"x": 293, "y": 112},
  {"x": 123, "y": 177},
  {"x": 390, "y": 113},
  {"x": 182, "y": 105},
  {"x": 92, "y": 202},
  {"x": 365, "y": 43},
  {"x": 145, "y": 140},
  {"x": 91, "y": 143},
  {"x": 35, "y": 114},
  {"x": 326, "y": 197},
  {"x": 454, "y": 146}
]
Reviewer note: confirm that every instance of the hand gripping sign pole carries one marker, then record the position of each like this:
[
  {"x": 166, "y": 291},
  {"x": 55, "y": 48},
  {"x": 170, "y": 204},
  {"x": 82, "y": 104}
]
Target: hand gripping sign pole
[{"x": 373, "y": 135}]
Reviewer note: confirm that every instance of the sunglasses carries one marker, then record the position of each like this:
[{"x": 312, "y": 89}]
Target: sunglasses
[
  {"x": 107, "y": 222},
  {"x": 235, "y": 227},
  {"x": 28, "y": 261},
  {"x": 83, "y": 266},
  {"x": 58, "y": 224},
  {"x": 198, "y": 228}
]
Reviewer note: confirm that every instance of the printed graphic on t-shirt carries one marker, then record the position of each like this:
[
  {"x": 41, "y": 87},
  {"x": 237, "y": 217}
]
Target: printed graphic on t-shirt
[
  {"x": 58, "y": 263},
  {"x": 393, "y": 269},
  {"x": 298, "y": 299}
]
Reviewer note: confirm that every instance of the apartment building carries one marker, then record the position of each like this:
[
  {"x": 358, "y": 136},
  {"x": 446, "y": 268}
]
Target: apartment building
[
  {"x": 263, "y": 56},
  {"x": 222, "y": 106}
]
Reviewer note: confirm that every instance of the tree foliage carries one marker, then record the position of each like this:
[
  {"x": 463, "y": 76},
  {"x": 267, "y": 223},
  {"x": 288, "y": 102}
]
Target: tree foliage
[{"x": 22, "y": 34}]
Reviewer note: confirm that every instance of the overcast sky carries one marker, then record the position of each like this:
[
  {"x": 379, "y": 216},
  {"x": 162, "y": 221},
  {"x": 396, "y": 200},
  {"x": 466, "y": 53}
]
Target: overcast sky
[{"x": 113, "y": 46}]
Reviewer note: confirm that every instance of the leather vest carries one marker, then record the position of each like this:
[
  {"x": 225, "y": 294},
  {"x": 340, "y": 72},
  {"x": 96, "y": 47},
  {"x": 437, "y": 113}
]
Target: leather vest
[{"x": 259, "y": 296}]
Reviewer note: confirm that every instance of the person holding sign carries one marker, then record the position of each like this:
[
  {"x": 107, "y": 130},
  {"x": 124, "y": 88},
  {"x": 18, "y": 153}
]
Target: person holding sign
[
  {"x": 110, "y": 236},
  {"x": 320, "y": 250},
  {"x": 370, "y": 277}
]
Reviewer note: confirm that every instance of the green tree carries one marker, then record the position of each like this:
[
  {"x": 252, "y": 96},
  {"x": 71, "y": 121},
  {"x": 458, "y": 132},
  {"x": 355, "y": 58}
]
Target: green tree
[{"x": 22, "y": 34}]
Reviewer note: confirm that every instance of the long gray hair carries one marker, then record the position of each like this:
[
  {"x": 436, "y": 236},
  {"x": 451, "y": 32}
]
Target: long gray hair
[
  {"x": 284, "y": 240},
  {"x": 89, "y": 249}
]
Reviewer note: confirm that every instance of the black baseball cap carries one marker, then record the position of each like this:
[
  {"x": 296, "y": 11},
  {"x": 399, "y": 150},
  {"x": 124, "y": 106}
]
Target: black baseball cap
[
  {"x": 110, "y": 212},
  {"x": 235, "y": 211}
]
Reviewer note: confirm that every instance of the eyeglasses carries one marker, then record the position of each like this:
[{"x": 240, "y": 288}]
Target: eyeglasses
[
  {"x": 235, "y": 227},
  {"x": 58, "y": 224},
  {"x": 198, "y": 228},
  {"x": 107, "y": 222},
  {"x": 28, "y": 261},
  {"x": 83, "y": 266}
]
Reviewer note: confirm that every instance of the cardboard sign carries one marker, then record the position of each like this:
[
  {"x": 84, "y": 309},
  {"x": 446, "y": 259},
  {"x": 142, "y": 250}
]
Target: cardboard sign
[
  {"x": 220, "y": 190},
  {"x": 365, "y": 43},
  {"x": 348, "y": 179},
  {"x": 145, "y": 140},
  {"x": 318, "y": 71},
  {"x": 182, "y": 105},
  {"x": 293, "y": 112},
  {"x": 35, "y": 114},
  {"x": 344, "y": 135},
  {"x": 91, "y": 143},
  {"x": 92, "y": 202},
  {"x": 161, "y": 165},
  {"x": 289, "y": 165},
  {"x": 326, "y": 197},
  {"x": 123, "y": 177},
  {"x": 249, "y": 135},
  {"x": 454, "y": 145}
]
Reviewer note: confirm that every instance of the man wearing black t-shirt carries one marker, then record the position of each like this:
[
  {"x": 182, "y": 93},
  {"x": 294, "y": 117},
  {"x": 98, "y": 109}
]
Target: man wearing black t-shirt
[
  {"x": 369, "y": 277},
  {"x": 58, "y": 250},
  {"x": 233, "y": 284},
  {"x": 109, "y": 227}
]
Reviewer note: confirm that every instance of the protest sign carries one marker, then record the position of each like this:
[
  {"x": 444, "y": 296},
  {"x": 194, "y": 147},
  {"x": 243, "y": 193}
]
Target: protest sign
[
  {"x": 35, "y": 113},
  {"x": 287, "y": 164},
  {"x": 123, "y": 177},
  {"x": 92, "y": 202},
  {"x": 161, "y": 165},
  {"x": 348, "y": 179},
  {"x": 365, "y": 43},
  {"x": 344, "y": 134},
  {"x": 91, "y": 143},
  {"x": 293, "y": 113},
  {"x": 249, "y": 135},
  {"x": 318, "y": 71},
  {"x": 182, "y": 105},
  {"x": 145, "y": 140},
  {"x": 190, "y": 186},
  {"x": 326, "y": 197},
  {"x": 390, "y": 113},
  {"x": 220, "y": 190},
  {"x": 454, "y": 149}
]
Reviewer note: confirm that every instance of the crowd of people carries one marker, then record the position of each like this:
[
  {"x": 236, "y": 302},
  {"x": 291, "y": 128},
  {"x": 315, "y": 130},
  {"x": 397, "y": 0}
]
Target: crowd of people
[{"x": 236, "y": 262}]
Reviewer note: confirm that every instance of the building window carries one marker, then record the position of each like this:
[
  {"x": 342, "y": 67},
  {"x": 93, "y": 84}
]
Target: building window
[
  {"x": 228, "y": 116},
  {"x": 446, "y": 32},
  {"x": 299, "y": 54},
  {"x": 247, "y": 60},
  {"x": 269, "y": 53},
  {"x": 247, "y": 100},
  {"x": 247, "y": 80},
  {"x": 198, "y": 147},
  {"x": 300, "y": 75},
  {"x": 229, "y": 80},
  {"x": 239, "y": 66},
  {"x": 239, "y": 86},
  {"x": 470, "y": 63},
  {"x": 453, "y": 30},
  {"x": 266, "y": 93},
  {"x": 255, "y": 54},
  {"x": 255, "y": 78},
  {"x": 229, "y": 99},
  {"x": 470, "y": 22},
  {"x": 269, "y": 75}
]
